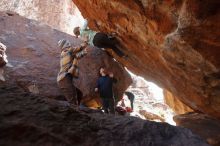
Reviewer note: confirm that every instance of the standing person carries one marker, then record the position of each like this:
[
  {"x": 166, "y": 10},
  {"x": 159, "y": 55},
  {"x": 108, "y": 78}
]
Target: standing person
[
  {"x": 104, "y": 86},
  {"x": 3, "y": 60},
  {"x": 98, "y": 39},
  {"x": 69, "y": 69},
  {"x": 131, "y": 98}
]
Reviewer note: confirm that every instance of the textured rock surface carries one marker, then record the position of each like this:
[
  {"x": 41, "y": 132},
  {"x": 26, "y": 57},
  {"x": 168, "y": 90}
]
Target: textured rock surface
[
  {"x": 151, "y": 116},
  {"x": 175, "y": 104},
  {"x": 203, "y": 125},
  {"x": 175, "y": 43},
  {"x": 32, "y": 50},
  {"x": 148, "y": 102},
  {"x": 62, "y": 15},
  {"x": 26, "y": 120}
]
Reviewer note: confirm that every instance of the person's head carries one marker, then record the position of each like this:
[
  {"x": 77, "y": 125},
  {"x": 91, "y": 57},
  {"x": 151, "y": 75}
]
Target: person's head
[
  {"x": 64, "y": 44},
  {"x": 102, "y": 71},
  {"x": 2, "y": 47},
  {"x": 3, "y": 57},
  {"x": 76, "y": 31}
]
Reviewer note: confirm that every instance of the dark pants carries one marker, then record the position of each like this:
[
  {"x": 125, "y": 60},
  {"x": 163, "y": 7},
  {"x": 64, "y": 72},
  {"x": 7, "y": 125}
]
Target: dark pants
[
  {"x": 79, "y": 95},
  {"x": 68, "y": 89},
  {"x": 102, "y": 40},
  {"x": 131, "y": 98},
  {"x": 108, "y": 104},
  {"x": 132, "y": 102}
]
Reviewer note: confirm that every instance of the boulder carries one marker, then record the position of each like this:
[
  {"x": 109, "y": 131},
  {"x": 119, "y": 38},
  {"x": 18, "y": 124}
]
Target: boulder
[
  {"x": 201, "y": 124},
  {"x": 31, "y": 119},
  {"x": 174, "y": 43},
  {"x": 33, "y": 53}
]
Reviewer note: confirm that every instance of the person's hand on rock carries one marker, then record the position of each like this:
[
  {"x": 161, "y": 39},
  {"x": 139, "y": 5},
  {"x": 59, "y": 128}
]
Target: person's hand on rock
[
  {"x": 84, "y": 44},
  {"x": 111, "y": 75},
  {"x": 86, "y": 50}
]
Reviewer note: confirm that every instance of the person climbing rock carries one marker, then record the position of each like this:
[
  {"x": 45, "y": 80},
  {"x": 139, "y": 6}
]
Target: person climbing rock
[
  {"x": 104, "y": 87},
  {"x": 98, "y": 39},
  {"x": 69, "y": 69},
  {"x": 3, "y": 60},
  {"x": 131, "y": 98}
]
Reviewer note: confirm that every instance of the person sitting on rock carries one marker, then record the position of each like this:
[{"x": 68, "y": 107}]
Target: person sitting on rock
[
  {"x": 105, "y": 88},
  {"x": 3, "y": 60},
  {"x": 97, "y": 39},
  {"x": 69, "y": 69}
]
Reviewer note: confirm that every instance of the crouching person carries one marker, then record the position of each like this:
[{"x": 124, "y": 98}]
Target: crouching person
[
  {"x": 98, "y": 39},
  {"x": 3, "y": 60},
  {"x": 69, "y": 69}
]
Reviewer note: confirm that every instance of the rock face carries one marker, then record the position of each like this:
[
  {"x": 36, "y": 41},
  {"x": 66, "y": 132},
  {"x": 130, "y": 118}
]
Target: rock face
[
  {"x": 203, "y": 125},
  {"x": 62, "y": 15},
  {"x": 175, "y": 104},
  {"x": 174, "y": 43},
  {"x": 33, "y": 53},
  {"x": 27, "y": 119},
  {"x": 147, "y": 105}
]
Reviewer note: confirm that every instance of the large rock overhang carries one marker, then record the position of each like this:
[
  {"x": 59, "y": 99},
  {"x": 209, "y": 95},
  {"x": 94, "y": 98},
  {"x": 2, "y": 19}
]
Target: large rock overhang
[{"x": 174, "y": 43}]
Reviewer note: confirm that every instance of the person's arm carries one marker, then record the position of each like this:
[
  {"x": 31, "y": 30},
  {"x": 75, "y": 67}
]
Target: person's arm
[
  {"x": 78, "y": 49},
  {"x": 114, "y": 80},
  {"x": 81, "y": 54},
  {"x": 97, "y": 86},
  {"x": 85, "y": 25}
]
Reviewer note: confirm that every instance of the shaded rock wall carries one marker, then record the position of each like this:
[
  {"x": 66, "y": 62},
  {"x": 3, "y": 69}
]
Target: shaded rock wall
[
  {"x": 26, "y": 120},
  {"x": 201, "y": 124},
  {"x": 175, "y": 104},
  {"x": 33, "y": 53},
  {"x": 173, "y": 43},
  {"x": 62, "y": 15}
]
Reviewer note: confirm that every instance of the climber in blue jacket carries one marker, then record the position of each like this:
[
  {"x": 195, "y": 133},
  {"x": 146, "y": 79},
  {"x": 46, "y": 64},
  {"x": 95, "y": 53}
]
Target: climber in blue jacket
[{"x": 105, "y": 89}]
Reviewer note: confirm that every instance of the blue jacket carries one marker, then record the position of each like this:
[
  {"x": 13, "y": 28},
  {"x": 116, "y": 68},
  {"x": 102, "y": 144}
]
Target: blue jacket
[{"x": 105, "y": 84}]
